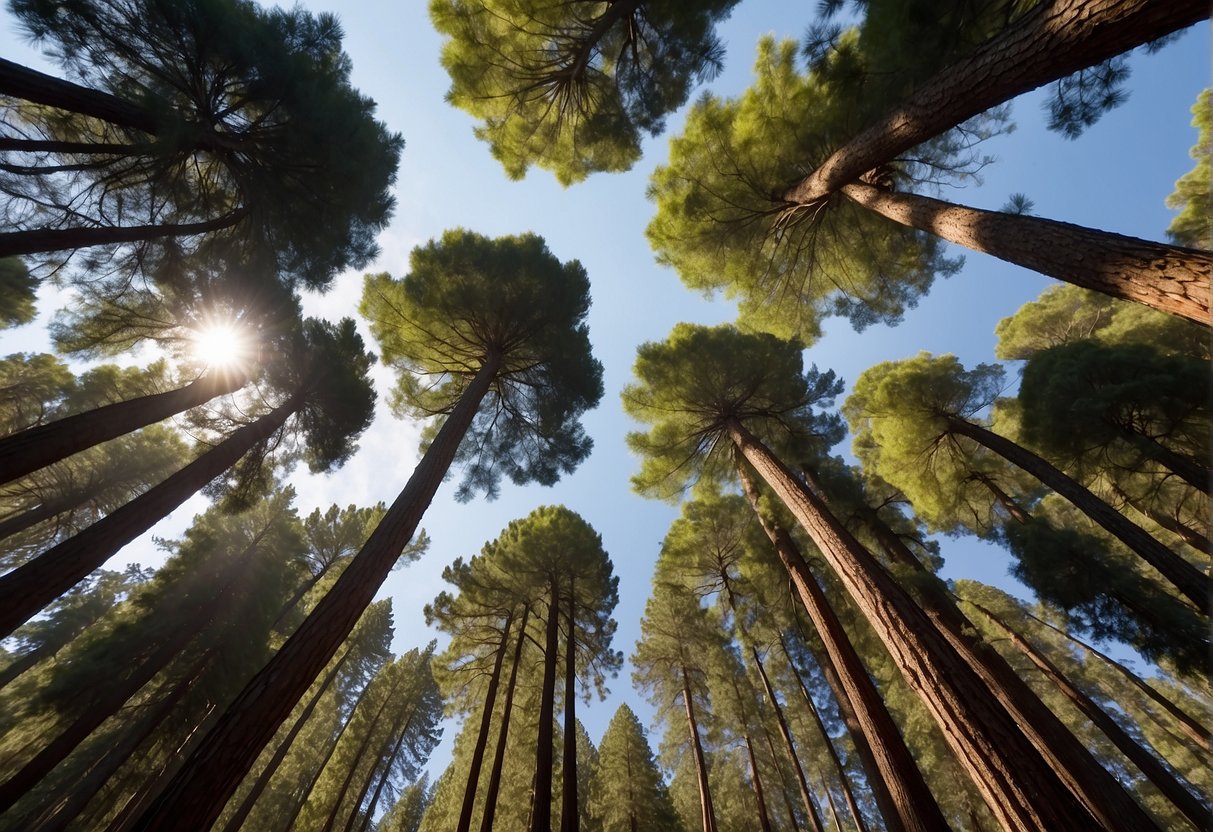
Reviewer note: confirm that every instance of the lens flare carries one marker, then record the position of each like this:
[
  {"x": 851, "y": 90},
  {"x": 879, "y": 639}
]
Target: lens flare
[{"x": 220, "y": 345}]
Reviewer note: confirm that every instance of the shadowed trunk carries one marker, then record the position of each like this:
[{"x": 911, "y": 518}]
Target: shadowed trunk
[
  {"x": 1051, "y": 40},
  {"x": 387, "y": 773},
  {"x": 388, "y": 758},
  {"x": 215, "y": 769},
  {"x": 783, "y": 782},
  {"x": 541, "y": 806},
  {"x": 1021, "y": 789},
  {"x": 1185, "y": 577},
  {"x": 29, "y": 588},
  {"x": 784, "y": 731},
  {"x": 482, "y": 738},
  {"x": 569, "y": 820},
  {"x": 42, "y": 445},
  {"x": 1190, "y": 472},
  {"x": 23, "y": 520},
  {"x": 490, "y": 795},
  {"x": 764, "y": 818},
  {"x": 1171, "y": 279},
  {"x": 1193, "y": 537},
  {"x": 38, "y": 87},
  {"x": 707, "y": 812},
  {"x": 39, "y": 240}
]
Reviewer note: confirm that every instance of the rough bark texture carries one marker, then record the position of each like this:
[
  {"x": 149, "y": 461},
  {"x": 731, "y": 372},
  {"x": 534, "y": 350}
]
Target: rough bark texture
[
  {"x": 1017, "y": 784},
  {"x": 905, "y": 801},
  {"x": 494, "y": 787},
  {"x": 541, "y": 800},
  {"x": 1189, "y": 580},
  {"x": 1171, "y": 279},
  {"x": 29, "y": 588},
  {"x": 213, "y": 772},
  {"x": 482, "y": 738},
  {"x": 42, "y": 445},
  {"x": 707, "y": 812},
  {"x": 1050, "y": 41}
]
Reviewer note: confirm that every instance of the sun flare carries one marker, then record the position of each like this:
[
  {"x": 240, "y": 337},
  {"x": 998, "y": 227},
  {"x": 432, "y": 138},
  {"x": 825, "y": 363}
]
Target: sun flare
[{"x": 220, "y": 345}]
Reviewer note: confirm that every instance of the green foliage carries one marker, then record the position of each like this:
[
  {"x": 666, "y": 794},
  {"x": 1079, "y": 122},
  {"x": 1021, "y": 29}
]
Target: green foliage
[
  {"x": 692, "y": 384},
  {"x": 572, "y": 87},
  {"x": 31, "y": 387},
  {"x": 627, "y": 790},
  {"x": 18, "y": 290},
  {"x": 252, "y": 116},
  {"x": 467, "y": 300},
  {"x": 1191, "y": 196},
  {"x": 721, "y": 224}
]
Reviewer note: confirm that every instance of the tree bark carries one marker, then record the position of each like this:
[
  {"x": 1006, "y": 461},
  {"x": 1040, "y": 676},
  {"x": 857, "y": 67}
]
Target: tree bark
[
  {"x": 764, "y": 818},
  {"x": 1193, "y": 537},
  {"x": 783, "y": 782},
  {"x": 1166, "y": 782},
  {"x": 1051, "y": 41},
  {"x": 541, "y": 810},
  {"x": 29, "y": 588},
  {"x": 905, "y": 801},
  {"x": 788, "y": 744},
  {"x": 42, "y": 445},
  {"x": 1019, "y": 786},
  {"x": 1190, "y": 472},
  {"x": 387, "y": 773},
  {"x": 490, "y": 796},
  {"x": 569, "y": 819},
  {"x": 707, "y": 812},
  {"x": 1189, "y": 580},
  {"x": 215, "y": 769},
  {"x": 363, "y": 745},
  {"x": 1171, "y": 279},
  {"x": 267, "y": 773},
  {"x": 388, "y": 759},
  {"x": 40, "y": 240},
  {"x": 482, "y": 738},
  {"x": 30, "y": 85}
]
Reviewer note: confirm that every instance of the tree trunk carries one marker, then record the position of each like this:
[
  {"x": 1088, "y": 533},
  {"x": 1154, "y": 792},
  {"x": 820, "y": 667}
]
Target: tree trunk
[
  {"x": 1166, "y": 782},
  {"x": 482, "y": 738},
  {"x": 1190, "y": 472},
  {"x": 215, "y": 769},
  {"x": 764, "y": 817},
  {"x": 490, "y": 797},
  {"x": 707, "y": 812},
  {"x": 39, "y": 240},
  {"x": 783, "y": 781},
  {"x": 387, "y": 773},
  {"x": 1050, "y": 41},
  {"x": 23, "y": 520},
  {"x": 42, "y": 445},
  {"x": 267, "y": 773},
  {"x": 389, "y": 759},
  {"x": 786, "y": 733},
  {"x": 1189, "y": 580},
  {"x": 905, "y": 801},
  {"x": 12, "y": 145},
  {"x": 541, "y": 809},
  {"x": 29, "y": 588},
  {"x": 30, "y": 85},
  {"x": 843, "y": 779},
  {"x": 569, "y": 819},
  {"x": 363, "y": 745},
  {"x": 1171, "y": 279},
  {"x": 1020, "y": 788},
  {"x": 1193, "y": 537}
]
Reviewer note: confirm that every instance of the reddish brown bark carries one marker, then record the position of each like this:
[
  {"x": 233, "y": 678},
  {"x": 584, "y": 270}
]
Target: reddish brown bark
[
  {"x": 213, "y": 772},
  {"x": 482, "y": 738},
  {"x": 42, "y": 445},
  {"x": 1052, "y": 40},
  {"x": 1171, "y": 279},
  {"x": 764, "y": 817}
]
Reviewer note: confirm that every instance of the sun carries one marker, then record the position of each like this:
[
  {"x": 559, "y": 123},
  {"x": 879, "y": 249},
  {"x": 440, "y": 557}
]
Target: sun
[{"x": 219, "y": 345}]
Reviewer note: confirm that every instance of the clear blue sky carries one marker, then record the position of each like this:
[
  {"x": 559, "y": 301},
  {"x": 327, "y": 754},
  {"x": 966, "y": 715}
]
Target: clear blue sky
[{"x": 1115, "y": 177}]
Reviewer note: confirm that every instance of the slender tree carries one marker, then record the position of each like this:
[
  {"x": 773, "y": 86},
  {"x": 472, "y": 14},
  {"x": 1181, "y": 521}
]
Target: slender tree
[
  {"x": 627, "y": 791},
  {"x": 509, "y": 317}
]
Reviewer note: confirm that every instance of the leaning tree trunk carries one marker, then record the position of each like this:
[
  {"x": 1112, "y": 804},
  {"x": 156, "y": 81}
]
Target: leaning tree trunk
[
  {"x": 40, "y": 240},
  {"x": 28, "y": 84},
  {"x": 764, "y": 818},
  {"x": 363, "y": 745},
  {"x": 387, "y": 774},
  {"x": 22, "y": 520},
  {"x": 216, "y": 768},
  {"x": 1193, "y": 537},
  {"x": 1051, "y": 40},
  {"x": 1158, "y": 774},
  {"x": 541, "y": 800},
  {"x": 1018, "y": 785},
  {"x": 1191, "y": 472},
  {"x": 482, "y": 738},
  {"x": 42, "y": 445},
  {"x": 905, "y": 801},
  {"x": 490, "y": 794},
  {"x": 1190, "y": 581},
  {"x": 707, "y": 812},
  {"x": 783, "y": 781},
  {"x": 1171, "y": 279},
  {"x": 388, "y": 759},
  {"x": 569, "y": 821},
  {"x": 29, "y": 588}
]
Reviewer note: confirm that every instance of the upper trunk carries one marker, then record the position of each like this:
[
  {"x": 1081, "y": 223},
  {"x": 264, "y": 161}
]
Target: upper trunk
[
  {"x": 1052, "y": 40},
  {"x": 1168, "y": 278},
  {"x": 490, "y": 795},
  {"x": 39, "y": 240},
  {"x": 482, "y": 737},
  {"x": 206, "y": 782},
  {"x": 541, "y": 799},
  {"x": 38, "y": 87},
  {"x": 707, "y": 812},
  {"x": 569, "y": 819}
]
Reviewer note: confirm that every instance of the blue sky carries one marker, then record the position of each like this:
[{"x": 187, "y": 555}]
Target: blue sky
[{"x": 1115, "y": 177}]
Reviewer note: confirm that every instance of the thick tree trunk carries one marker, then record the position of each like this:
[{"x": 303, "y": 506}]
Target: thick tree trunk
[
  {"x": 541, "y": 808},
  {"x": 905, "y": 801},
  {"x": 1051, "y": 41},
  {"x": 1020, "y": 788},
  {"x": 569, "y": 819},
  {"x": 482, "y": 738},
  {"x": 1189, "y": 580},
  {"x": 30, "y": 85},
  {"x": 39, "y": 240},
  {"x": 1166, "y": 782},
  {"x": 359, "y": 753},
  {"x": 42, "y": 445},
  {"x": 267, "y": 773},
  {"x": 490, "y": 794},
  {"x": 707, "y": 812},
  {"x": 29, "y": 588},
  {"x": 1168, "y": 278},
  {"x": 216, "y": 768},
  {"x": 843, "y": 779}
]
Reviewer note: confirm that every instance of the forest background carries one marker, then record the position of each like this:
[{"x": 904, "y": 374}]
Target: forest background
[{"x": 1115, "y": 177}]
